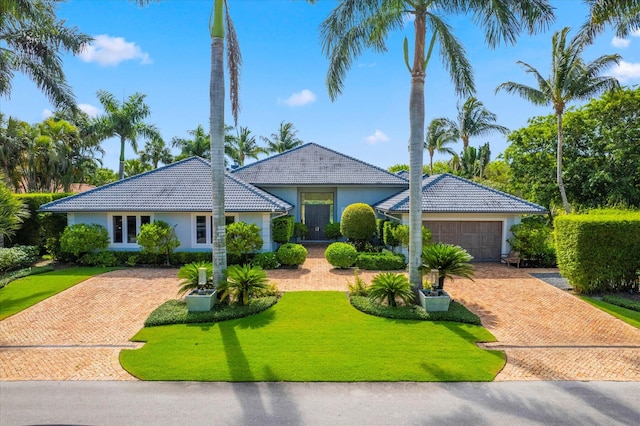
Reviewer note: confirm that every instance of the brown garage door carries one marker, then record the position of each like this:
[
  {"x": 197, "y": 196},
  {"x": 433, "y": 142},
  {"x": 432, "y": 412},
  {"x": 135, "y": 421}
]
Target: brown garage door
[{"x": 483, "y": 240}]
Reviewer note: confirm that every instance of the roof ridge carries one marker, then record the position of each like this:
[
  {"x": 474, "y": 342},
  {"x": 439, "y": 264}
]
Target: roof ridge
[
  {"x": 260, "y": 192},
  {"x": 273, "y": 156}
]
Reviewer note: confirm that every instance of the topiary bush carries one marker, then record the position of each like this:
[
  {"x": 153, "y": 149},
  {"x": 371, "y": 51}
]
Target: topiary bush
[
  {"x": 243, "y": 238},
  {"x": 341, "y": 255},
  {"x": 17, "y": 257},
  {"x": 266, "y": 260},
  {"x": 358, "y": 223},
  {"x": 332, "y": 231},
  {"x": 292, "y": 255},
  {"x": 383, "y": 261},
  {"x": 81, "y": 238},
  {"x": 387, "y": 234},
  {"x": 282, "y": 229}
]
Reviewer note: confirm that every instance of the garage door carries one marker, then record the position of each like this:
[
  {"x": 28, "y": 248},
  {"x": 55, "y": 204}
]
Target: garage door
[{"x": 483, "y": 240}]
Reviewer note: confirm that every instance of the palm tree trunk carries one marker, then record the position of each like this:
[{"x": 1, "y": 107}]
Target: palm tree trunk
[
  {"x": 563, "y": 195},
  {"x": 216, "y": 94},
  {"x": 416, "y": 144},
  {"x": 121, "y": 172}
]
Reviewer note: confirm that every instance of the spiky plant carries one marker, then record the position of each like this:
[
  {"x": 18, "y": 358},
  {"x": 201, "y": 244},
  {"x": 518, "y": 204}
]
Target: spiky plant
[
  {"x": 242, "y": 282},
  {"x": 391, "y": 285},
  {"x": 189, "y": 274},
  {"x": 450, "y": 260}
]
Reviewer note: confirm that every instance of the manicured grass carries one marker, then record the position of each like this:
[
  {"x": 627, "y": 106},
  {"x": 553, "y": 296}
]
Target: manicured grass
[
  {"x": 25, "y": 292},
  {"x": 626, "y": 315},
  {"x": 314, "y": 336}
]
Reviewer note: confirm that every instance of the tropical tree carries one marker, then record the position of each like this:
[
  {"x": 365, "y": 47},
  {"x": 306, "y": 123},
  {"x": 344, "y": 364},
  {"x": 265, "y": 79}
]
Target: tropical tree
[
  {"x": 243, "y": 145},
  {"x": 622, "y": 15},
  {"x": 474, "y": 119},
  {"x": 32, "y": 39},
  {"x": 12, "y": 212},
  {"x": 134, "y": 167},
  {"x": 440, "y": 133},
  {"x": 156, "y": 151},
  {"x": 199, "y": 145},
  {"x": 125, "y": 120},
  {"x": 14, "y": 136},
  {"x": 570, "y": 79},
  {"x": 284, "y": 139},
  {"x": 355, "y": 25}
]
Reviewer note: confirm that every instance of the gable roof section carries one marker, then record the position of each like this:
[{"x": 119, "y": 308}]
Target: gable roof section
[
  {"x": 184, "y": 186},
  {"x": 446, "y": 193},
  {"x": 313, "y": 164}
]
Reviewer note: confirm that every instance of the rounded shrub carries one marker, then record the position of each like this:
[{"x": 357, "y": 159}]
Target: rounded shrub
[
  {"x": 358, "y": 222},
  {"x": 341, "y": 255},
  {"x": 292, "y": 255},
  {"x": 266, "y": 260},
  {"x": 80, "y": 239}
]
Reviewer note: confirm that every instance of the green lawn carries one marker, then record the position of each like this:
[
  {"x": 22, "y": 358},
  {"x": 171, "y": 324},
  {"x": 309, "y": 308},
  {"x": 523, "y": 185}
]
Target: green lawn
[
  {"x": 626, "y": 315},
  {"x": 314, "y": 336},
  {"x": 25, "y": 292}
]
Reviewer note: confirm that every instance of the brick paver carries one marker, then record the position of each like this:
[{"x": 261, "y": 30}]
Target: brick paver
[{"x": 546, "y": 333}]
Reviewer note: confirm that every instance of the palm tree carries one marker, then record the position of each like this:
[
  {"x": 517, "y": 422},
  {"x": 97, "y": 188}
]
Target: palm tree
[
  {"x": 284, "y": 139},
  {"x": 623, "y": 15},
  {"x": 12, "y": 212},
  {"x": 126, "y": 121},
  {"x": 476, "y": 120},
  {"x": 570, "y": 79},
  {"x": 199, "y": 145},
  {"x": 156, "y": 151},
  {"x": 243, "y": 145},
  {"x": 355, "y": 25},
  {"x": 440, "y": 133},
  {"x": 32, "y": 39}
]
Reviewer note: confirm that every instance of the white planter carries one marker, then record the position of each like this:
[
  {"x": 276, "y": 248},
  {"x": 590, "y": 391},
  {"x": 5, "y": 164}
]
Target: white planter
[
  {"x": 438, "y": 303},
  {"x": 201, "y": 301}
]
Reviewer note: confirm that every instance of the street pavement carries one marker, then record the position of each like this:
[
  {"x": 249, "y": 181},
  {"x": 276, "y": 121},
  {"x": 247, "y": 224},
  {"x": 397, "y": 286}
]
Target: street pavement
[{"x": 189, "y": 403}]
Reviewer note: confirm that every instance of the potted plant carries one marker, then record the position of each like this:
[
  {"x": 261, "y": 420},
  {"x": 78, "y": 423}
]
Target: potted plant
[
  {"x": 197, "y": 280},
  {"x": 443, "y": 261}
]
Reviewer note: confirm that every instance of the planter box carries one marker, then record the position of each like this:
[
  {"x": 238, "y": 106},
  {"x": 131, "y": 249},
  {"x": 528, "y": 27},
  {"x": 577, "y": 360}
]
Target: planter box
[
  {"x": 201, "y": 302},
  {"x": 439, "y": 303}
]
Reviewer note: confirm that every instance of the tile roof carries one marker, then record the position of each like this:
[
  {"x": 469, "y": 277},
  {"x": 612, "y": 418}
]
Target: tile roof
[
  {"x": 313, "y": 164},
  {"x": 184, "y": 186},
  {"x": 446, "y": 193}
]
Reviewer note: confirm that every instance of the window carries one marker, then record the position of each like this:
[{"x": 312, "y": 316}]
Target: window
[
  {"x": 203, "y": 227},
  {"x": 127, "y": 226}
]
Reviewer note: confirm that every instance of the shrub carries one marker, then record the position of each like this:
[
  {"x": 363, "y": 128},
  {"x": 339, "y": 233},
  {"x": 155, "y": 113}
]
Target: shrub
[
  {"x": 102, "y": 258},
  {"x": 158, "y": 238},
  {"x": 292, "y": 255},
  {"x": 389, "y": 285},
  {"x": 341, "y": 255},
  {"x": 282, "y": 229},
  {"x": 266, "y": 260},
  {"x": 40, "y": 226},
  {"x": 190, "y": 274},
  {"x": 358, "y": 287},
  {"x": 387, "y": 234},
  {"x": 401, "y": 234},
  {"x": 450, "y": 260},
  {"x": 634, "y": 305},
  {"x": 17, "y": 257},
  {"x": 81, "y": 238},
  {"x": 332, "y": 231},
  {"x": 533, "y": 239},
  {"x": 383, "y": 261},
  {"x": 243, "y": 238},
  {"x": 300, "y": 231},
  {"x": 243, "y": 282},
  {"x": 380, "y": 229},
  {"x": 358, "y": 223},
  {"x": 456, "y": 313}
]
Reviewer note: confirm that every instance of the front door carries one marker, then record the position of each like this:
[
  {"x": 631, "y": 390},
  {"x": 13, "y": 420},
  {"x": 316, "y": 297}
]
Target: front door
[{"x": 316, "y": 217}]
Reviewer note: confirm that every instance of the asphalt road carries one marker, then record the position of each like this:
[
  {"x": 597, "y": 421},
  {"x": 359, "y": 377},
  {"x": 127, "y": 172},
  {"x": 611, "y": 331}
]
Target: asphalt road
[{"x": 158, "y": 403}]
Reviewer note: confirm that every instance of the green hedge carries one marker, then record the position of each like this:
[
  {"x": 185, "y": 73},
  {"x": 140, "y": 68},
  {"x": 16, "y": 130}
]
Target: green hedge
[
  {"x": 384, "y": 261},
  {"x": 40, "y": 226},
  {"x": 456, "y": 312},
  {"x": 599, "y": 251},
  {"x": 634, "y": 305},
  {"x": 282, "y": 229}
]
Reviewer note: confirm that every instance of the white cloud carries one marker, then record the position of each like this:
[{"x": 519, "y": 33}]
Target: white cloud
[
  {"x": 107, "y": 50},
  {"x": 626, "y": 71},
  {"x": 90, "y": 110},
  {"x": 620, "y": 42},
  {"x": 46, "y": 113},
  {"x": 377, "y": 137},
  {"x": 299, "y": 99},
  {"x": 635, "y": 33}
]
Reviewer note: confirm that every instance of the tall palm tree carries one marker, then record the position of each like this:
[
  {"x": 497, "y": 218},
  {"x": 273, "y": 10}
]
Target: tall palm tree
[
  {"x": 125, "y": 120},
  {"x": 355, "y": 25},
  {"x": 476, "y": 120},
  {"x": 32, "y": 39},
  {"x": 156, "y": 151},
  {"x": 243, "y": 145},
  {"x": 284, "y": 139},
  {"x": 622, "y": 15},
  {"x": 440, "y": 133},
  {"x": 570, "y": 79},
  {"x": 199, "y": 144}
]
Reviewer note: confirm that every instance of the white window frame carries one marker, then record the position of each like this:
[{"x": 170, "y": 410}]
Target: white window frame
[
  {"x": 194, "y": 228},
  {"x": 124, "y": 215}
]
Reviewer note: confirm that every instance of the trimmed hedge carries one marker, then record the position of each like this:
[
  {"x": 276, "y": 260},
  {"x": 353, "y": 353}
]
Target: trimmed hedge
[
  {"x": 282, "y": 229},
  {"x": 332, "y": 231},
  {"x": 341, "y": 255},
  {"x": 634, "y": 305},
  {"x": 383, "y": 261},
  {"x": 292, "y": 255},
  {"x": 599, "y": 251}
]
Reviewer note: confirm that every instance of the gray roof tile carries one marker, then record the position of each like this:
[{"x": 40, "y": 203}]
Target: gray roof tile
[
  {"x": 312, "y": 164},
  {"x": 446, "y": 193},
  {"x": 183, "y": 186}
]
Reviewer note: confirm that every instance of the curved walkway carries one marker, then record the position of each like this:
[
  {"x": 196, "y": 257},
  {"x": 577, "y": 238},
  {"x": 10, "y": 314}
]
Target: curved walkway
[{"x": 547, "y": 334}]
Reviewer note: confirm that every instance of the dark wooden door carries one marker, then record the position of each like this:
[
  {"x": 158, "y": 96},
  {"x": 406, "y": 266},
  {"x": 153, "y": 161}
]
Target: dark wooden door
[{"x": 316, "y": 217}]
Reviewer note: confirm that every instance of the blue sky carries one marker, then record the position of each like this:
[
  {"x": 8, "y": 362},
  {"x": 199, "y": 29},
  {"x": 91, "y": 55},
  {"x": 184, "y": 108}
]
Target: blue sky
[{"x": 163, "y": 51}]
